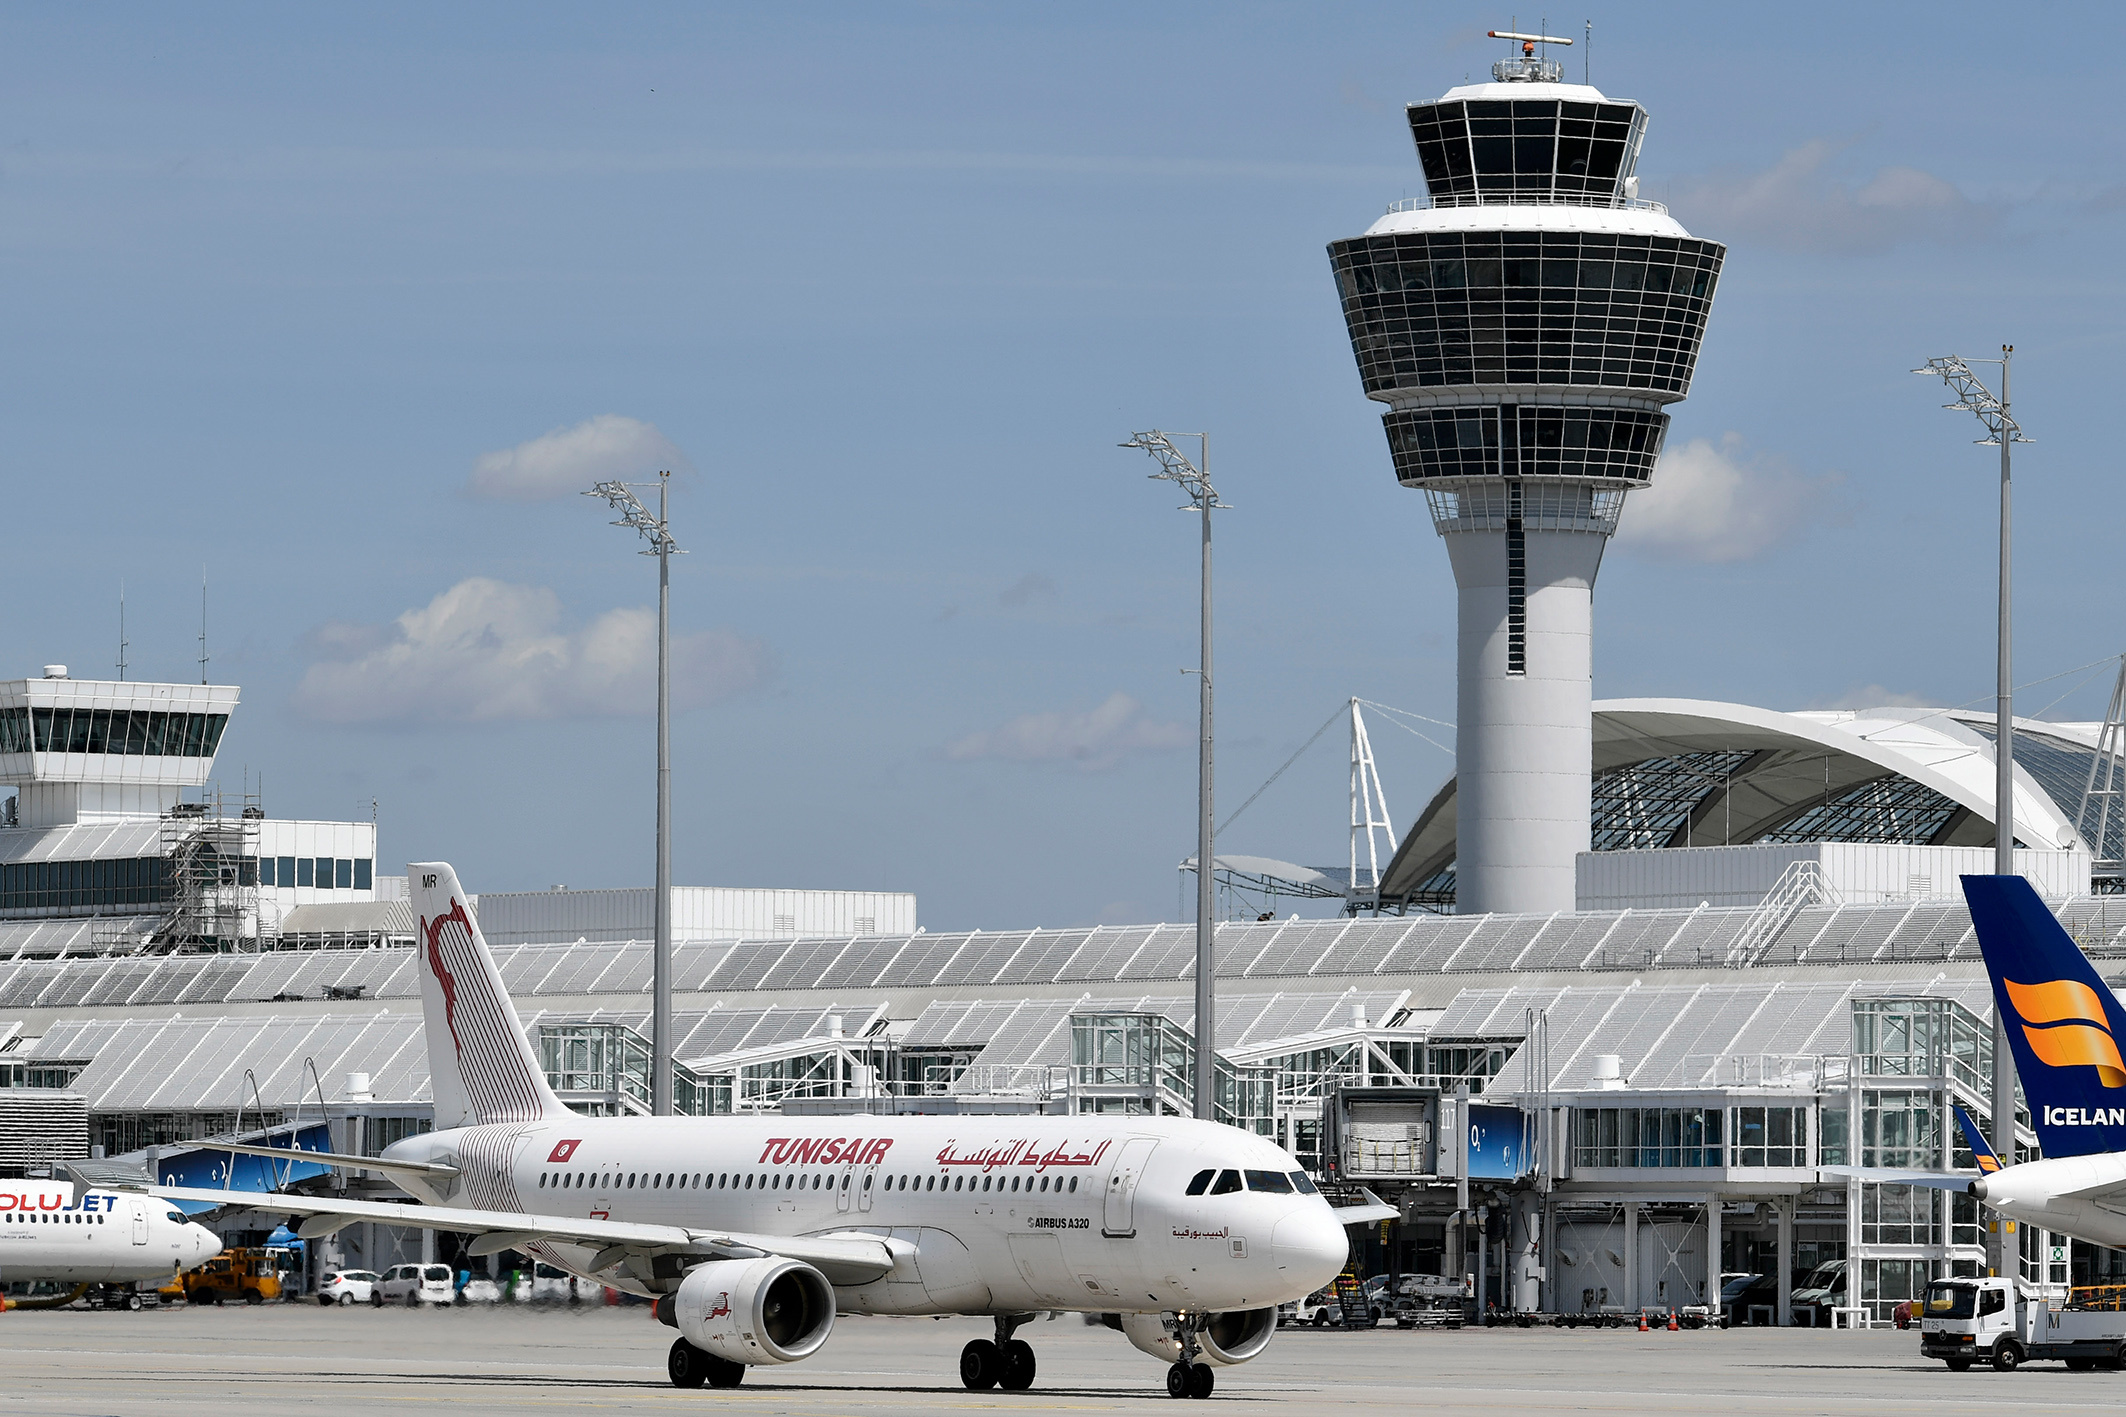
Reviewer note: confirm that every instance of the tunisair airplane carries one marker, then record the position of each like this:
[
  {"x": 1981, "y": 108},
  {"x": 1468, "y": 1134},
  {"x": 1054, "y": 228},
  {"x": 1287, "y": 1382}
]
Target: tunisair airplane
[
  {"x": 82, "y": 1235},
  {"x": 752, "y": 1234}
]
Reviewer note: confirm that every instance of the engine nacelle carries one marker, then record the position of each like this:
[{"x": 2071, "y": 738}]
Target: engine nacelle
[
  {"x": 1238, "y": 1335},
  {"x": 766, "y": 1310},
  {"x": 1231, "y": 1337}
]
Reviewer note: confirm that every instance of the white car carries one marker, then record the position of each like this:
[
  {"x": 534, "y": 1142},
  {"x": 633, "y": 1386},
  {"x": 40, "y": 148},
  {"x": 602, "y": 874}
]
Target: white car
[
  {"x": 480, "y": 1290},
  {"x": 414, "y": 1284},
  {"x": 548, "y": 1285},
  {"x": 347, "y": 1286}
]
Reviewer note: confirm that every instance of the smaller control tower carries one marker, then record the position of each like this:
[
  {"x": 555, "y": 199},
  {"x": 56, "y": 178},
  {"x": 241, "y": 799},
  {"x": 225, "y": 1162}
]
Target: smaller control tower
[{"x": 1527, "y": 324}]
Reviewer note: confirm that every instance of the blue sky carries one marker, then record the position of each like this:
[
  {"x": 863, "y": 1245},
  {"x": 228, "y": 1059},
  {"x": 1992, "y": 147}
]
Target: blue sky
[{"x": 294, "y": 294}]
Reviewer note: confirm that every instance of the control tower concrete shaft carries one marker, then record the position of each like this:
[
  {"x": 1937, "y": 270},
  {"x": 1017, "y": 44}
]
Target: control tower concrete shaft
[{"x": 1527, "y": 325}]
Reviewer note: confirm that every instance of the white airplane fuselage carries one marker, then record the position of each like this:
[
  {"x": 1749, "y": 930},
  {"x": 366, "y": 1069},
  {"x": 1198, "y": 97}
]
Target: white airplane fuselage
[
  {"x": 2041, "y": 1193},
  {"x": 983, "y": 1214},
  {"x": 55, "y": 1230}
]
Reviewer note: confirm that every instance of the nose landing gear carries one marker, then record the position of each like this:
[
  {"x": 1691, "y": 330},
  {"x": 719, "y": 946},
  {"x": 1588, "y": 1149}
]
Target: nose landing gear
[
  {"x": 1186, "y": 1379},
  {"x": 1190, "y": 1377},
  {"x": 1006, "y": 1362}
]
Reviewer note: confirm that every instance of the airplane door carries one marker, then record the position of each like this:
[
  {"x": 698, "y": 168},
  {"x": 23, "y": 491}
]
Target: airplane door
[
  {"x": 865, "y": 1181},
  {"x": 1119, "y": 1222},
  {"x": 140, "y": 1222}
]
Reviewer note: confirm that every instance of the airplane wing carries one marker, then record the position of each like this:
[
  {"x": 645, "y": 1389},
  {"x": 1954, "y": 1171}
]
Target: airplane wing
[
  {"x": 844, "y": 1259},
  {"x": 325, "y": 1158},
  {"x": 1932, "y": 1180},
  {"x": 1373, "y": 1208}
]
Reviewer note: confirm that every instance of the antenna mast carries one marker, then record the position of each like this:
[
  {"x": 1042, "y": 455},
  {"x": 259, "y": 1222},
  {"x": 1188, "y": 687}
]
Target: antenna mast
[
  {"x": 121, "y": 632},
  {"x": 202, "y": 624}
]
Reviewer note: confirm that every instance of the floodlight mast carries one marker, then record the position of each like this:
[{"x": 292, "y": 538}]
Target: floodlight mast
[
  {"x": 1972, "y": 396},
  {"x": 656, "y": 531},
  {"x": 1195, "y": 482}
]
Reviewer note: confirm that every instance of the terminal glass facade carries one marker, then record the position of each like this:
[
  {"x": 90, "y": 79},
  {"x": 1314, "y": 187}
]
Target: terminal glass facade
[{"x": 1650, "y": 1136}]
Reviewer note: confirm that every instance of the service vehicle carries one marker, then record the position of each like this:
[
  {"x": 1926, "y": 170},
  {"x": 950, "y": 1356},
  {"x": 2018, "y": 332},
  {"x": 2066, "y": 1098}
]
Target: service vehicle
[
  {"x": 415, "y": 1284},
  {"x": 347, "y": 1286},
  {"x": 1428, "y": 1301},
  {"x": 248, "y": 1273},
  {"x": 2009, "y": 1322}
]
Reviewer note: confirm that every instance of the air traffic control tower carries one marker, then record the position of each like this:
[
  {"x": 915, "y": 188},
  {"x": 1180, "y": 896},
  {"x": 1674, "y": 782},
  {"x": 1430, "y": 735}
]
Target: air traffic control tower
[{"x": 1527, "y": 324}]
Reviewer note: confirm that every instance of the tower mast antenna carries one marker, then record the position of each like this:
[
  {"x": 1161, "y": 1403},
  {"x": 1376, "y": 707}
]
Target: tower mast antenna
[
  {"x": 121, "y": 632},
  {"x": 202, "y": 624}
]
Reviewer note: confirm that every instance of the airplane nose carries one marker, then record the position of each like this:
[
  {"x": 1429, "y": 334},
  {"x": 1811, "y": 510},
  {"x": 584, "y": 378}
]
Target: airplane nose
[{"x": 1311, "y": 1247}]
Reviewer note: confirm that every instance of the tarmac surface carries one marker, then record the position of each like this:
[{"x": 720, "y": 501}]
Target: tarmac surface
[{"x": 300, "y": 1358}]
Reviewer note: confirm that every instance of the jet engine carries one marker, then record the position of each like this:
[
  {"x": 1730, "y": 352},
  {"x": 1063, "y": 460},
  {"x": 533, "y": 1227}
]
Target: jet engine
[
  {"x": 1238, "y": 1335},
  {"x": 766, "y": 1310},
  {"x": 1231, "y": 1337}
]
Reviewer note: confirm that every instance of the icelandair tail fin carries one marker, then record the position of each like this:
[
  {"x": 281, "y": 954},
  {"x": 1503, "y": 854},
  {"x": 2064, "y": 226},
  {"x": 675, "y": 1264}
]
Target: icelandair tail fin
[
  {"x": 2064, "y": 1023},
  {"x": 1982, "y": 1154},
  {"x": 481, "y": 1066}
]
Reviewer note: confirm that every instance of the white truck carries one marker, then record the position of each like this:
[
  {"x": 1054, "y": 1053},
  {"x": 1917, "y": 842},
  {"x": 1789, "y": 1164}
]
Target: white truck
[{"x": 2008, "y": 1322}]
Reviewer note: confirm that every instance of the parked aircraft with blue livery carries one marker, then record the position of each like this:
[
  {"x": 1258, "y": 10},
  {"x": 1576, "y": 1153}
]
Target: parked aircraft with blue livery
[{"x": 2064, "y": 1025}]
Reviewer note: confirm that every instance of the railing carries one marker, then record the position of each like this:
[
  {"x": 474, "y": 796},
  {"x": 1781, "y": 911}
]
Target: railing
[
  {"x": 1800, "y": 885},
  {"x": 1804, "y": 1072},
  {"x": 1526, "y": 199}
]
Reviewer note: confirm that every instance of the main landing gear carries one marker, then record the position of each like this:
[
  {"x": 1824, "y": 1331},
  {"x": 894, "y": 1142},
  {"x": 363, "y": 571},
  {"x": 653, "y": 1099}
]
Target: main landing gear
[
  {"x": 1190, "y": 1377},
  {"x": 1006, "y": 1363},
  {"x": 691, "y": 1367}
]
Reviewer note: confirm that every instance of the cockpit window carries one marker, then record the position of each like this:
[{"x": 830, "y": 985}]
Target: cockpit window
[
  {"x": 1303, "y": 1183},
  {"x": 1275, "y": 1182},
  {"x": 1199, "y": 1181},
  {"x": 178, "y": 1216},
  {"x": 1227, "y": 1182}
]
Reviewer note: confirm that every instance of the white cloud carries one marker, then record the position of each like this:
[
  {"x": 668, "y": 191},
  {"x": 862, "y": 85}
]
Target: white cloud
[
  {"x": 1713, "y": 503},
  {"x": 1873, "y": 696},
  {"x": 485, "y": 651},
  {"x": 608, "y": 447},
  {"x": 1796, "y": 203},
  {"x": 1091, "y": 741}
]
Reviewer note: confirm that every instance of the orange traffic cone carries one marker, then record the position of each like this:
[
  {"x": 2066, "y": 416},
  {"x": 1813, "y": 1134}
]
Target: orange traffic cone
[
  {"x": 1672, "y": 1324},
  {"x": 1642, "y": 1320}
]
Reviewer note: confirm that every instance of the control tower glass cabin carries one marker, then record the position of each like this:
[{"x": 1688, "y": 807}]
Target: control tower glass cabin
[{"x": 1527, "y": 324}]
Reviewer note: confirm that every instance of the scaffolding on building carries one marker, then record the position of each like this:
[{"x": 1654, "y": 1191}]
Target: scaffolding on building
[{"x": 211, "y": 858}]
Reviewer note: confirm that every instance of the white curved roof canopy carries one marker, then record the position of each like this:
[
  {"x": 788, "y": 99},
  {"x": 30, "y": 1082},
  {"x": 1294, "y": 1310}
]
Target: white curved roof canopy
[{"x": 1747, "y": 773}]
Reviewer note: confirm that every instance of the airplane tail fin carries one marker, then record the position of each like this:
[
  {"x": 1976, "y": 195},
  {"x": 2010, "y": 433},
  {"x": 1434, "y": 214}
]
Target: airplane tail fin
[
  {"x": 481, "y": 1066},
  {"x": 1988, "y": 1161},
  {"x": 2063, "y": 1021}
]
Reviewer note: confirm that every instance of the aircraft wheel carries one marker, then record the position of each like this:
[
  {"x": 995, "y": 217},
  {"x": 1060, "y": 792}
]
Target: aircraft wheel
[
  {"x": 2007, "y": 1356},
  {"x": 1018, "y": 1366},
  {"x": 1202, "y": 1377},
  {"x": 980, "y": 1365},
  {"x": 1177, "y": 1380},
  {"x": 725, "y": 1373},
  {"x": 687, "y": 1365}
]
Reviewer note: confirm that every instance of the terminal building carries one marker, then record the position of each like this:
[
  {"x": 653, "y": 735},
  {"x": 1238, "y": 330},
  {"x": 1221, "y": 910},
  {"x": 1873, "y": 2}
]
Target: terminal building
[{"x": 1634, "y": 976}]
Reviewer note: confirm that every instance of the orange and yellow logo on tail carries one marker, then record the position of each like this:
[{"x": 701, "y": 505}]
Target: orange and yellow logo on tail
[{"x": 2064, "y": 1023}]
